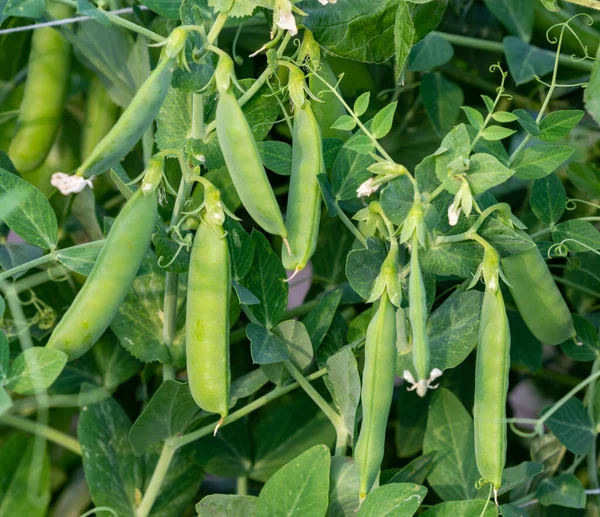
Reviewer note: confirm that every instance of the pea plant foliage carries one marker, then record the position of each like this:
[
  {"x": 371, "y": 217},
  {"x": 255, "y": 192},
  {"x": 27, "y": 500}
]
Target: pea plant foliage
[{"x": 310, "y": 258}]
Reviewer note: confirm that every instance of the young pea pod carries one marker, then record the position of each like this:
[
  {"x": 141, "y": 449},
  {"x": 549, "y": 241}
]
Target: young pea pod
[
  {"x": 207, "y": 321},
  {"x": 138, "y": 115},
  {"x": 100, "y": 116},
  {"x": 99, "y": 299},
  {"x": 417, "y": 314},
  {"x": 491, "y": 387},
  {"x": 538, "y": 299},
  {"x": 376, "y": 395},
  {"x": 43, "y": 100},
  {"x": 304, "y": 199},
  {"x": 243, "y": 158}
]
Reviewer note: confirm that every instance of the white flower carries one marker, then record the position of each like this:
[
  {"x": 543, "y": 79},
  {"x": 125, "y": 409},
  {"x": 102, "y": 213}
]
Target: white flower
[
  {"x": 367, "y": 188},
  {"x": 284, "y": 18},
  {"x": 69, "y": 184},
  {"x": 325, "y": 2},
  {"x": 453, "y": 214}
]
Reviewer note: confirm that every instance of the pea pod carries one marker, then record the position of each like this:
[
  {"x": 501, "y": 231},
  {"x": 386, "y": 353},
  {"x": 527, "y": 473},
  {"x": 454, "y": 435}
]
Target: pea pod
[
  {"x": 491, "y": 387},
  {"x": 100, "y": 116},
  {"x": 243, "y": 159},
  {"x": 304, "y": 199},
  {"x": 417, "y": 314},
  {"x": 138, "y": 115},
  {"x": 207, "y": 321},
  {"x": 537, "y": 297},
  {"x": 99, "y": 299},
  {"x": 43, "y": 100},
  {"x": 376, "y": 395}
]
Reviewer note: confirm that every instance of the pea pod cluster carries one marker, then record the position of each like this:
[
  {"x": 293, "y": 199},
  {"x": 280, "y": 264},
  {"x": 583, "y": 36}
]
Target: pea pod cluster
[
  {"x": 207, "y": 313},
  {"x": 43, "y": 100},
  {"x": 242, "y": 156},
  {"x": 304, "y": 198},
  {"x": 98, "y": 301},
  {"x": 538, "y": 299}
]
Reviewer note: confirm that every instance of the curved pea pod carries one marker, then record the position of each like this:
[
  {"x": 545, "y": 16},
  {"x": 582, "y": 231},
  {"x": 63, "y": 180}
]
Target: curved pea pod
[
  {"x": 106, "y": 287},
  {"x": 417, "y": 315},
  {"x": 491, "y": 388},
  {"x": 44, "y": 97},
  {"x": 207, "y": 320},
  {"x": 304, "y": 200},
  {"x": 376, "y": 395},
  {"x": 328, "y": 111},
  {"x": 133, "y": 122},
  {"x": 100, "y": 116},
  {"x": 538, "y": 299},
  {"x": 245, "y": 166}
]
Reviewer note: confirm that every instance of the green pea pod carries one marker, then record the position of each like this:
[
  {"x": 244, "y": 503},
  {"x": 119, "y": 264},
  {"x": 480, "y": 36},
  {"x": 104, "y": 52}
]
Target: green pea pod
[
  {"x": 207, "y": 322},
  {"x": 304, "y": 199},
  {"x": 417, "y": 315},
  {"x": 99, "y": 299},
  {"x": 100, "y": 116},
  {"x": 328, "y": 111},
  {"x": 134, "y": 121},
  {"x": 376, "y": 395},
  {"x": 43, "y": 100},
  {"x": 537, "y": 297},
  {"x": 491, "y": 388},
  {"x": 245, "y": 166}
]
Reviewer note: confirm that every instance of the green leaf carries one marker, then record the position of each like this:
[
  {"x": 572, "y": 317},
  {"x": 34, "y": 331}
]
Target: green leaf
[
  {"x": 548, "y": 199},
  {"x": 294, "y": 336},
  {"x": 563, "y": 490},
  {"x": 343, "y": 381},
  {"x": 486, "y": 172},
  {"x": 416, "y": 471},
  {"x": 12, "y": 255},
  {"x": 588, "y": 345},
  {"x": 267, "y": 348},
  {"x": 362, "y": 144},
  {"x": 551, "y": 5},
  {"x": 112, "y": 472},
  {"x": 24, "y": 8},
  {"x": 452, "y": 330},
  {"x": 585, "y": 177},
  {"x": 85, "y": 8},
  {"x": 489, "y": 103},
  {"x": 456, "y": 144},
  {"x": 24, "y": 477},
  {"x": 512, "y": 477},
  {"x": 35, "y": 369},
  {"x": 475, "y": 117},
  {"x": 397, "y": 499},
  {"x": 455, "y": 474},
  {"x": 426, "y": 17},
  {"x": 515, "y": 15},
  {"x": 462, "y": 508},
  {"x": 397, "y": 199},
  {"x": 32, "y": 218},
  {"x": 170, "y": 412},
  {"x": 266, "y": 280},
  {"x": 382, "y": 121},
  {"x": 351, "y": 36},
  {"x": 507, "y": 509},
  {"x": 404, "y": 34},
  {"x": 361, "y": 104},
  {"x": 558, "y": 124},
  {"x": 504, "y": 117},
  {"x": 300, "y": 487},
  {"x": 571, "y": 425},
  {"x": 331, "y": 148},
  {"x": 345, "y": 123},
  {"x": 526, "y": 61},
  {"x": 5, "y": 401},
  {"x": 579, "y": 235},
  {"x": 525, "y": 348},
  {"x": 81, "y": 258},
  {"x": 4, "y": 358},
  {"x": 276, "y": 156},
  {"x": 241, "y": 248},
  {"x": 167, "y": 8},
  {"x": 318, "y": 320},
  {"x": 431, "y": 52},
  {"x": 411, "y": 419},
  {"x": 537, "y": 161},
  {"x": 286, "y": 431},
  {"x": 527, "y": 122},
  {"x": 226, "y": 505},
  {"x": 506, "y": 240},
  {"x": 494, "y": 133},
  {"x": 591, "y": 94},
  {"x": 442, "y": 100},
  {"x": 363, "y": 266},
  {"x": 460, "y": 259},
  {"x": 348, "y": 172},
  {"x": 343, "y": 487},
  {"x": 115, "y": 364}
]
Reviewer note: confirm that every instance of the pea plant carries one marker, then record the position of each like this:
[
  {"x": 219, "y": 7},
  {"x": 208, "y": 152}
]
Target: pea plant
[{"x": 314, "y": 258}]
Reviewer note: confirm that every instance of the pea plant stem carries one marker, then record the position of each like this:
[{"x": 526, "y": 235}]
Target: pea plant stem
[
  {"x": 160, "y": 471},
  {"x": 197, "y": 115},
  {"x": 348, "y": 223},
  {"x": 169, "y": 318},
  {"x": 50, "y": 257},
  {"x": 216, "y": 28},
  {"x": 40, "y": 429},
  {"x": 592, "y": 457}
]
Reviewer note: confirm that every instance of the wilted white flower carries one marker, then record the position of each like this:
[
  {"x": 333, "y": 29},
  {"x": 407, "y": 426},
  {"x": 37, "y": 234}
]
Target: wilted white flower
[
  {"x": 284, "y": 18},
  {"x": 69, "y": 184},
  {"x": 463, "y": 201},
  {"x": 367, "y": 188},
  {"x": 453, "y": 214}
]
